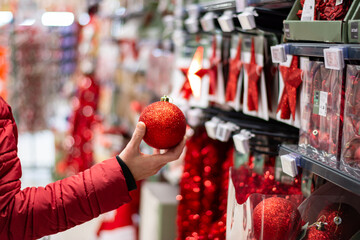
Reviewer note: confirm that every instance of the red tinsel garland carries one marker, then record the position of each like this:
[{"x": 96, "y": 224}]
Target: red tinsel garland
[{"x": 203, "y": 189}]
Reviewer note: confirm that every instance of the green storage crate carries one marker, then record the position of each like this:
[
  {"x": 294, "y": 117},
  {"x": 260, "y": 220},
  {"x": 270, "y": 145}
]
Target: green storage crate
[
  {"x": 318, "y": 31},
  {"x": 353, "y": 27}
]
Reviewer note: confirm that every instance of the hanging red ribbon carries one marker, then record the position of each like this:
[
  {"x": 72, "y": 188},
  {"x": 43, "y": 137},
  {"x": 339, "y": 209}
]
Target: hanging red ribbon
[
  {"x": 292, "y": 80},
  {"x": 213, "y": 70},
  {"x": 235, "y": 65},
  {"x": 195, "y": 68},
  {"x": 254, "y": 73}
]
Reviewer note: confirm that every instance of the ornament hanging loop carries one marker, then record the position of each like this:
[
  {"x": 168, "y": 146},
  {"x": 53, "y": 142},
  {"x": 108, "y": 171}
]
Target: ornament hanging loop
[{"x": 165, "y": 98}]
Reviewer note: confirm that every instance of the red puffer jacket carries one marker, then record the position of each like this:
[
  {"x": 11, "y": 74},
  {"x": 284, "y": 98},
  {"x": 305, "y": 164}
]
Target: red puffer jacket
[{"x": 35, "y": 212}]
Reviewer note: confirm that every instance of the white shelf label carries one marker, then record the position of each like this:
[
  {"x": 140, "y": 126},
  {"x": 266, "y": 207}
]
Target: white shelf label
[
  {"x": 207, "y": 22},
  {"x": 226, "y": 22},
  {"x": 288, "y": 163},
  {"x": 278, "y": 54},
  {"x": 241, "y": 141},
  {"x": 323, "y": 103},
  {"x": 334, "y": 58},
  {"x": 192, "y": 25},
  {"x": 247, "y": 20},
  {"x": 308, "y": 10}
]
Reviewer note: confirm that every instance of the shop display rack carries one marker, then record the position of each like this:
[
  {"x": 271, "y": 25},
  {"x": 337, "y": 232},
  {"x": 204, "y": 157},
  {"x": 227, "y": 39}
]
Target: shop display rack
[
  {"x": 334, "y": 172},
  {"x": 350, "y": 51}
]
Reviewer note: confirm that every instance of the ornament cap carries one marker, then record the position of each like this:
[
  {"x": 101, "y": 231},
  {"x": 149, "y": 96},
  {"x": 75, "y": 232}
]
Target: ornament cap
[{"x": 165, "y": 98}]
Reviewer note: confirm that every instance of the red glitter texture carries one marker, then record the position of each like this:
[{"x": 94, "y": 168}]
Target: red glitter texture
[
  {"x": 279, "y": 219},
  {"x": 165, "y": 125},
  {"x": 345, "y": 230}
]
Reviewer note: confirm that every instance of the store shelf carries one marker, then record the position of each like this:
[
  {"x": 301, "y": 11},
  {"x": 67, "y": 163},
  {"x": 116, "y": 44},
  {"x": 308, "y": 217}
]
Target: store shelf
[
  {"x": 334, "y": 172},
  {"x": 351, "y": 51}
]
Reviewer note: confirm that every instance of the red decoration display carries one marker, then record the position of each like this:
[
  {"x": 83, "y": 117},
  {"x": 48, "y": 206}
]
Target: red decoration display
[
  {"x": 234, "y": 71},
  {"x": 213, "y": 70},
  {"x": 292, "y": 79},
  {"x": 203, "y": 188},
  {"x": 165, "y": 124},
  {"x": 195, "y": 68},
  {"x": 254, "y": 74},
  {"x": 330, "y": 10},
  {"x": 336, "y": 221},
  {"x": 276, "y": 219},
  {"x": 350, "y": 152}
]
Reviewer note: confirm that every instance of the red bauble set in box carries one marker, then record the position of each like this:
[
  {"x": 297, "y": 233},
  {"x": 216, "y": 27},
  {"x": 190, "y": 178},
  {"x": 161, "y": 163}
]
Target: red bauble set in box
[
  {"x": 322, "y": 113},
  {"x": 350, "y": 153}
]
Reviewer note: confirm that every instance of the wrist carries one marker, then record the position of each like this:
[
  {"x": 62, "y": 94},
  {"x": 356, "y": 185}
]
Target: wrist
[{"x": 129, "y": 178}]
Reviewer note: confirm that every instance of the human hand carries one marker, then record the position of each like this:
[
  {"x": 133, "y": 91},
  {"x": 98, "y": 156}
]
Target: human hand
[{"x": 144, "y": 165}]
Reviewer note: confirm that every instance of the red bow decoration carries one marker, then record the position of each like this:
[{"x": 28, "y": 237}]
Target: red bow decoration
[
  {"x": 213, "y": 70},
  {"x": 235, "y": 65},
  {"x": 292, "y": 79},
  {"x": 193, "y": 75},
  {"x": 254, "y": 73}
]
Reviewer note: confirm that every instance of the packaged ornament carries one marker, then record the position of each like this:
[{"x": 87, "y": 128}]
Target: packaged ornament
[
  {"x": 259, "y": 207},
  {"x": 255, "y": 101},
  {"x": 235, "y": 76},
  {"x": 323, "y": 113},
  {"x": 350, "y": 152},
  {"x": 290, "y": 85},
  {"x": 330, "y": 213}
]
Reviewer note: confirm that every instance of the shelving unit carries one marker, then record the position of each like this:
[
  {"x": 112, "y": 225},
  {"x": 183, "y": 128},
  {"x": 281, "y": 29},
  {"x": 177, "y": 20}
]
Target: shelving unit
[
  {"x": 350, "y": 51},
  {"x": 334, "y": 172}
]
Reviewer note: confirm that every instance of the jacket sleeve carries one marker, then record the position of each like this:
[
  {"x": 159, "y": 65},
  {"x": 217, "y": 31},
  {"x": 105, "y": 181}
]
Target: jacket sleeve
[{"x": 36, "y": 212}]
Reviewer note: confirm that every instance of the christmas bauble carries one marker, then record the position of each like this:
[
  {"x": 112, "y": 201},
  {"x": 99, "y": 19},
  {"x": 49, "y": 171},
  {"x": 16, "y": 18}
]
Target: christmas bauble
[
  {"x": 165, "y": 124},
  {"x": 337, "y": 221},
  {"x": 279, "y": 219}
]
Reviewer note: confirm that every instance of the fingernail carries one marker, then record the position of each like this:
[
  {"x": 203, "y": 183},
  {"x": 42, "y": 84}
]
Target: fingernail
[{"x": 141, "y": 125}]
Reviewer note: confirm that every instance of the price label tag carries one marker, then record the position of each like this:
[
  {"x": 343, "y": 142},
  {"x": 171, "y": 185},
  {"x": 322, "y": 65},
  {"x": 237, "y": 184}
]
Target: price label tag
[
  {"x": 192, "y": 25},
  {"x": 308, "y": 10},
  {"x": 334, "y": 58},
  {"x": 278, "y": 54},
  {"x": 211, "y": 127},
  {"x": 323, "y": 103},
  {"x": 226, "y": 22},
  {"x": 288, "y": 163},
  {"x": 354, "y": 28},
  {"x": 247, "y": 20},
  {"x": 207, "y": 22},
  {"x": 240, "y": 5},
  {"x": 241, "y": 141},
  {"x": 223, "y": 132},
  {"x": 194, "y": 117}
]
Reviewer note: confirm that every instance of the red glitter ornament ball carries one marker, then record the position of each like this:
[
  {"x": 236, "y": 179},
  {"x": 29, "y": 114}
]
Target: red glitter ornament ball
[
  {"x": 279, "y": 219},
  {"x": 337, "y": 221},
  {"x": 165, "y": 124}
]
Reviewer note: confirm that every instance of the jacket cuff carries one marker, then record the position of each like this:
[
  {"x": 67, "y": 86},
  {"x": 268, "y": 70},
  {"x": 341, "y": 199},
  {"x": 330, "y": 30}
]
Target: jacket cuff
[{"x": 129, "y": 178}]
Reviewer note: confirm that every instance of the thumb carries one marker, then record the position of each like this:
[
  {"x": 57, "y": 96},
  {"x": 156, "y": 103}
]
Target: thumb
[{"x": 138, "y": 134}]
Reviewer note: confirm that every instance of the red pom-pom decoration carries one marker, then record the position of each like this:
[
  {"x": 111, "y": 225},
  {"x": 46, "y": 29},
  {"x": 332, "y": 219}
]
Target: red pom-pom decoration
[
  {"x": 165, "y": 124},
  {"x": 337, "y": 221},
  {"x": 276, "y": 219}
]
